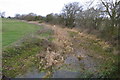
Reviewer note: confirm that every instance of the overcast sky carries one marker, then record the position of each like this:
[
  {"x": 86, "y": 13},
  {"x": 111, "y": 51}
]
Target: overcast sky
[{"x": 40, "y": 7}]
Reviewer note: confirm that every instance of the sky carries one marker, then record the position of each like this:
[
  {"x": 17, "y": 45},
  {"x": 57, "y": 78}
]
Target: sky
[{"x": 39, "y": 7}]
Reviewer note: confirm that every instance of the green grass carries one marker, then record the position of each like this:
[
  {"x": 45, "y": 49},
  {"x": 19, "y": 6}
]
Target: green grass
[
  {"x": 13, "y": 30},
  {"x": 19, "y": 59},
  {"x": 29, "y": 40}
]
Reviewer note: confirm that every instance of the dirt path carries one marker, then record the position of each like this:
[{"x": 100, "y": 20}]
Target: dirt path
[{"x": 76, "y": 52}]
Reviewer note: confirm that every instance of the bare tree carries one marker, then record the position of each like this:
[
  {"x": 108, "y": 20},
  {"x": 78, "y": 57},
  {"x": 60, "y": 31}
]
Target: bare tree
[
  {"x": 111, "y": 8},
  {"x": 69, "y": 11},
  {"x": 17, "y": 16},
  {"x": 88, "y": 18}
]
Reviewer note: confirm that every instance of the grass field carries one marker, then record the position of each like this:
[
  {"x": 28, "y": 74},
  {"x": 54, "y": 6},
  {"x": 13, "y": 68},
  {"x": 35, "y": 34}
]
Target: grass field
[
  {"x": 13, "y": 30},
  {"x": 30, "y": 40}
]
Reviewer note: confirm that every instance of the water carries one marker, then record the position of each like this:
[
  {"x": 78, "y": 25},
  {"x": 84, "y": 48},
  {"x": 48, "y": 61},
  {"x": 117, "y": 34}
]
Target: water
[
  {"x": 65, "y": 74},
  {"x": 32, "y": 74},
  {"x": 72, "y": 68},
  {"x": 73, "y": 63}
]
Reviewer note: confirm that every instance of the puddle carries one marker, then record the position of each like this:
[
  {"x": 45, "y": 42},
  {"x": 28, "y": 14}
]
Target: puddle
[
  {"x": 73, "y": 63},
  {"x": 71, "y": 60},
  {"x": 77, "y": 68},
  {"x": 89, "y": 62},
  {"x": 72, "y": 68},
  {"x": 65, "y": 74},
  {"x": 32, "y": 74}
]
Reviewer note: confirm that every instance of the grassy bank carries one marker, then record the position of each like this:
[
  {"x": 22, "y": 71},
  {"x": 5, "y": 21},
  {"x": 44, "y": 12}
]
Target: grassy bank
[
  {"x": 29, "y": 40},
  {"x": 22, "y": 57}
]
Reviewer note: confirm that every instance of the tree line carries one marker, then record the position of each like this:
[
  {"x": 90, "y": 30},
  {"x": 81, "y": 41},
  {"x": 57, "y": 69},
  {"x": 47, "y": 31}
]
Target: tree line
[
  {"x": 29, "y": 17},
  {"x": 102, "y": 19}
]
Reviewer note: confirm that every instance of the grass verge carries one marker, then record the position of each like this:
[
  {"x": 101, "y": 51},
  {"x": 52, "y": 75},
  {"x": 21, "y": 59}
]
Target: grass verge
[{"x": 21, "y": 57}]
